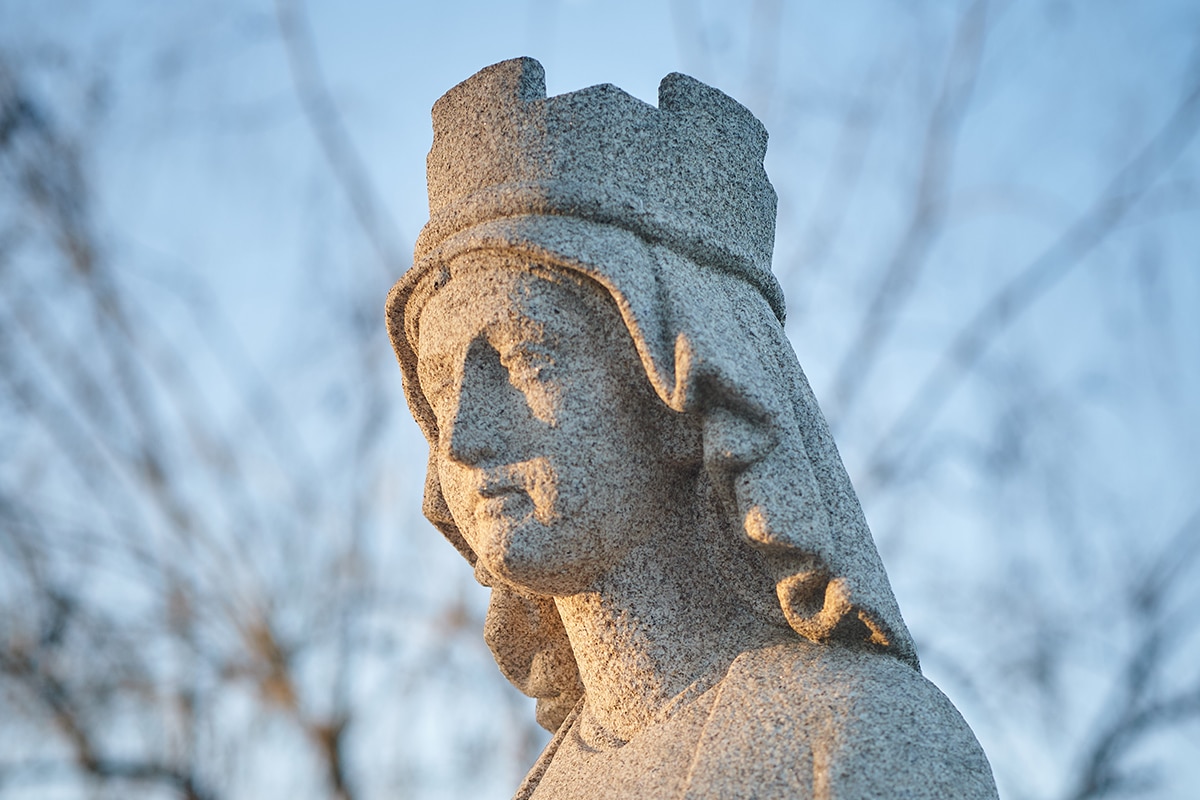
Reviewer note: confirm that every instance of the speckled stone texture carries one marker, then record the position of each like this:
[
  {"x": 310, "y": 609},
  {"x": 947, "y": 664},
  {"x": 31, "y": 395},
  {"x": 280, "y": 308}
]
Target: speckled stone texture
[{"x": 624, "y": 446}]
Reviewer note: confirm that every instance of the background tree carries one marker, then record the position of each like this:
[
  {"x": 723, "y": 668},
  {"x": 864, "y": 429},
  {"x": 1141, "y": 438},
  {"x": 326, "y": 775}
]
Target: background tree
[{"x": 214, "y": 577}]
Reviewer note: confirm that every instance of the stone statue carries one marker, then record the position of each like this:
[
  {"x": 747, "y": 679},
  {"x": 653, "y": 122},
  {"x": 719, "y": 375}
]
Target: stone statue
[{"x": 624, "y": 446}]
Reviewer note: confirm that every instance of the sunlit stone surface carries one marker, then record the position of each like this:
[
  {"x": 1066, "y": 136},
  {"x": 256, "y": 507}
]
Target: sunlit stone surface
[{"x": 624, "y": 446}]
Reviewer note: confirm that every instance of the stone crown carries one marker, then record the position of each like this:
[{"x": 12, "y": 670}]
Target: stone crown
[{"x": 688, "y": 174}]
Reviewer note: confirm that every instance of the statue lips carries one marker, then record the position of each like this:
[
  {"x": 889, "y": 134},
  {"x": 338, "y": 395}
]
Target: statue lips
[{"x": 502, "y": 493}]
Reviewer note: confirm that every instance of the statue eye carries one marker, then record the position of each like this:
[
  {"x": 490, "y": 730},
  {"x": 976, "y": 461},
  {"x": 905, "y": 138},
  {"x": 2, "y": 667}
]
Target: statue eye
[
  {"x": 532, "y": 372},
  {"x": 528, "y": 365}
]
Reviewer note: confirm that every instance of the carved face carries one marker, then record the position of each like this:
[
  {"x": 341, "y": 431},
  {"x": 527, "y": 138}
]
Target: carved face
[{"x": 550, "y": 450}]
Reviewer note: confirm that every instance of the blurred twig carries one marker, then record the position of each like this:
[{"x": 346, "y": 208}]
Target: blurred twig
[
  {"x": 1137, "y": 709},
  {"x": 377, "y": 224},
  {"x": 928, "y": 211},
  {"x": 1096, "y": 224}
]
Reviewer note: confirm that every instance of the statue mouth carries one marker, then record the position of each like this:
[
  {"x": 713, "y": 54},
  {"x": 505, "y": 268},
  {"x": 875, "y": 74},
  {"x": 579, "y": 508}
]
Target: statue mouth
[
  {"x": 502, "y": 493},
  {"x": 515, "y": 491},
  {"x": 501, "y": 482},
  {"x": 513, "y": 505}
]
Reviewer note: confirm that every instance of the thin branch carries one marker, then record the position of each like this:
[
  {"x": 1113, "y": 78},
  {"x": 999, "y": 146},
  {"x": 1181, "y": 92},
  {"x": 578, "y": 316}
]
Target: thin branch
[
  {"x": 112, "y": 769},
  {"x": 343, "y": 158},
  {"x": 1128, "y": 186},
  {"x": 859, "y": 124},
  {"x": 929, "y": 208},
  {"x": 64, "y": 707}
]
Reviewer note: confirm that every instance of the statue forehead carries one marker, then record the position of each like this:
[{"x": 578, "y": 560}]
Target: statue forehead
[{"x": 488, "y": 289}]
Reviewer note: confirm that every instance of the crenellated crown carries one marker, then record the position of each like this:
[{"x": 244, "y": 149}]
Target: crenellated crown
[{"x": 688, "y": 174}]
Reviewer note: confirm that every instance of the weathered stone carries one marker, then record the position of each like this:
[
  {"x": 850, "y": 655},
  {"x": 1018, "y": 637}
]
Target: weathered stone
[{"x": 624, "y": 446}]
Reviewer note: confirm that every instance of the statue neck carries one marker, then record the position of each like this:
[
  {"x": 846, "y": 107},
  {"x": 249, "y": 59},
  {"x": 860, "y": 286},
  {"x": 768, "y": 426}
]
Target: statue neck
[{"x": 658, "y": 622}]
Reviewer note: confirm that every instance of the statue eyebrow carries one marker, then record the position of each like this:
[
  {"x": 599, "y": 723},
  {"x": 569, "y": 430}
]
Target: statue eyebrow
[{"x": 525, "y": 349}]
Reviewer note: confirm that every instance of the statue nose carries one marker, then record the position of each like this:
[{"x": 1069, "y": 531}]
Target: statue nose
[
  {"x": 470, "y": 440},
  {"x": 490, "y": 413}
]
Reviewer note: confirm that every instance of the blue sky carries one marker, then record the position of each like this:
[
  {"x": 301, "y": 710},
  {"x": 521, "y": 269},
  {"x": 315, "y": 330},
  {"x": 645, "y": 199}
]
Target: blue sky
[{"x": 208, "y": 174}]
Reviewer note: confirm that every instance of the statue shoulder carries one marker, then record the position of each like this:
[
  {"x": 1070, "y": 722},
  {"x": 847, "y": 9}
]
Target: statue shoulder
[{"x": 845, "y": 724}]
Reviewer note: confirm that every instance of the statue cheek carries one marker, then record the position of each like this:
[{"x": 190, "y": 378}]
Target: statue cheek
[
  {"x": 542, "y": 481},
  {"x": 454, "y": 480}
]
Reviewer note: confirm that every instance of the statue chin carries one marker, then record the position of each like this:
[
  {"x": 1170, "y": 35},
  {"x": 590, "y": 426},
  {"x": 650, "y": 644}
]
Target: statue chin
[{"x": 552, "y": 711}]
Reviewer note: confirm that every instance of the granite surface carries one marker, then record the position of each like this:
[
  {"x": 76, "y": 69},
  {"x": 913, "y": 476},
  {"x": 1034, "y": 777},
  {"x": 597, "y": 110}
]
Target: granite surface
[{"x": 624, "y": 446}]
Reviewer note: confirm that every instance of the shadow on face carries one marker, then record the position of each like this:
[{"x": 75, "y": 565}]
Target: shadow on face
[{"x": 554, "y": 455}]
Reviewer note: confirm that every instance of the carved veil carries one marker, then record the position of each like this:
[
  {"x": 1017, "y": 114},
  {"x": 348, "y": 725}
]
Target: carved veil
[{"x": 690, "y": 275}]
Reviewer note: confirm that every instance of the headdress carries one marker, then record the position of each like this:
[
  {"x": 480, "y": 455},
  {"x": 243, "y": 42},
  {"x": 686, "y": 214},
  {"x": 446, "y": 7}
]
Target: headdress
[{"x": 670, "y": 211}]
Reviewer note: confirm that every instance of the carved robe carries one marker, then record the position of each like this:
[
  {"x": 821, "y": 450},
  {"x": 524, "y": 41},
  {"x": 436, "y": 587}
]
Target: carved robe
[{"x": 792, "y": 720}]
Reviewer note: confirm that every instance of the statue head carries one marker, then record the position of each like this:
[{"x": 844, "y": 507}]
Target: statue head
[
  {"x": 591, "y": 334},
  {"x": 553, "y": 451}
]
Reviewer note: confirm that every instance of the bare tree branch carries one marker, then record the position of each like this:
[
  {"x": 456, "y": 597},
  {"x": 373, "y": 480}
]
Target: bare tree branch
[
  {"x": 343, "y": 158},
  {"x": 928, "y": 211},
  {"x": 1136, "y": 711},
  {"x": 841, "y": 183},
  {"x": 1121, "y": 194}
]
